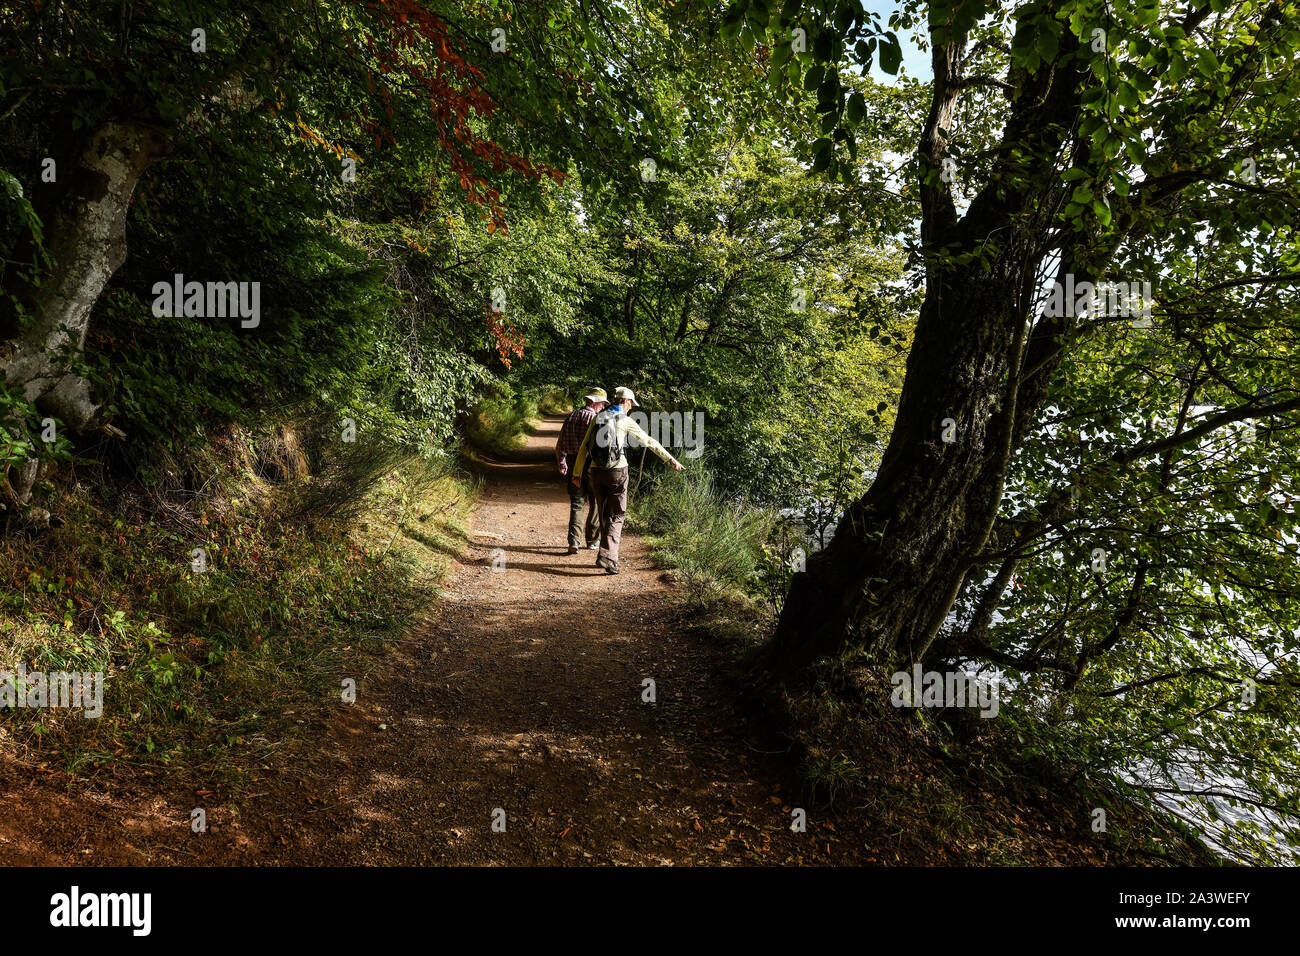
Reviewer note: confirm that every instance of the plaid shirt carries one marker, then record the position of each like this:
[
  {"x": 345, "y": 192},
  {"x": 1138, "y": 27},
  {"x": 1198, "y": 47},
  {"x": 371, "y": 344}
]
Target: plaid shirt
[{"x": 573, "y": 431}]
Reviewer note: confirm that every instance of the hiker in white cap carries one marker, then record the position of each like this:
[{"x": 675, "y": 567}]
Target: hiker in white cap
[
  {"x": 566, "y": 450},
  {"x": 602, "y": 457}
]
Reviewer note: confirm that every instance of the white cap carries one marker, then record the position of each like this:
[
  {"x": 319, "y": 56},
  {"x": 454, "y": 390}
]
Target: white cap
[{"x": 622, "y": 394}]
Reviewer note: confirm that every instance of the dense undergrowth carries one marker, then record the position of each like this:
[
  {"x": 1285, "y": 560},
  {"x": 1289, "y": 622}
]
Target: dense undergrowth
[{"x": 223, "y": 611}]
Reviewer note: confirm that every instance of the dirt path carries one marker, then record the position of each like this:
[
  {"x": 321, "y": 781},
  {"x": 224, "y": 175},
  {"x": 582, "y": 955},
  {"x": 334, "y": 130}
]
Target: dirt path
[
  {"x": 525, "y": 694},
  {"x": 522, "y": 692}
]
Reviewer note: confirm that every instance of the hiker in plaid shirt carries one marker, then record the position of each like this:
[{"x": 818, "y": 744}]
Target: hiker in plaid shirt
[{"x": 566, "y": 453}]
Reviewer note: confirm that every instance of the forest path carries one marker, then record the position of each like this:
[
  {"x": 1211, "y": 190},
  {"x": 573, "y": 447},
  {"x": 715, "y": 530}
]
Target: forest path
[
  {"x": 521, "y": 690},
  {"x": 524, "y": 692}
]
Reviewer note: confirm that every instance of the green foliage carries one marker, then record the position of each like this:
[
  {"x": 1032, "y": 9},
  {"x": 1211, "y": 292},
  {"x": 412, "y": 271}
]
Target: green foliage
[
  {"x": 205, "y": 668},
  {"x": 1121, "y": 142},
  {"x": 557, "y": 402},
  {"x": 21, "y": 227},
  {"x": 502, "y": 419},
  {"x": 715, "y": 545},
  {"x": 763, "y": 270},
  {"x": 831, "y": 777}
]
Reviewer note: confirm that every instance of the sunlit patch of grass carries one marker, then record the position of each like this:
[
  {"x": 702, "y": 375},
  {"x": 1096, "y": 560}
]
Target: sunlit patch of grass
[
  {"x": 556, "y": 401},
  {"x": 501, "y": 423},
  {"x": 710, "y": 542}
]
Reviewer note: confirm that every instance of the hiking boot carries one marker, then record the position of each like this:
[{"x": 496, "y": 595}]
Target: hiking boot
[
  {"x": 610, "y": 567},
  {"x": 594, "y": 546},
  {"x": 573, "y": 549}
]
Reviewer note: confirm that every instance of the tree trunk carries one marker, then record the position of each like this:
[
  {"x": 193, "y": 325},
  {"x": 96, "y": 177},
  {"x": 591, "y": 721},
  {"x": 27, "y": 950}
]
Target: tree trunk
[
  {"x": 900, "y": 554},
  {"x": 86, "y": 238}
]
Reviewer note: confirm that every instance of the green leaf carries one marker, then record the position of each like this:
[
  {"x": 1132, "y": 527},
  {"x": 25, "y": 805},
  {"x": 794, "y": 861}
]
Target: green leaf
[
  {"x": 856, "y": 108},
  {"x": 1048, "y": 45},
  {"x": 1177, "y": 69},
  {"x": 822, "y": 151},
  {"x": 824, "y": 45},
  {"x": 891, "y": 54},
  {"x": 830, "y": 86}
]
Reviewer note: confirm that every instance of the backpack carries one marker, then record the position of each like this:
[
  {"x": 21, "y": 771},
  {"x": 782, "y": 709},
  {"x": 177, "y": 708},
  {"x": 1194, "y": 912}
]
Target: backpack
[{"x": 607, "y": 443}]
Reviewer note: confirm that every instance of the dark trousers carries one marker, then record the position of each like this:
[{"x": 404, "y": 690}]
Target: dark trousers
[
  {"x": 578, "y": 498},
  {"x": 609, "y": 487}
]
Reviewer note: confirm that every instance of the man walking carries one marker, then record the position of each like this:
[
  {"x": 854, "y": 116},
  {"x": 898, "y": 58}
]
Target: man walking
[
  {"x": 572, "y": 432},
  {"x": 602, "y": 457}
]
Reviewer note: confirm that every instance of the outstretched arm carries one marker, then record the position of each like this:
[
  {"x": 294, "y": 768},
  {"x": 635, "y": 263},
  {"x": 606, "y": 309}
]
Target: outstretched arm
[{"x": 637, "y": 431}]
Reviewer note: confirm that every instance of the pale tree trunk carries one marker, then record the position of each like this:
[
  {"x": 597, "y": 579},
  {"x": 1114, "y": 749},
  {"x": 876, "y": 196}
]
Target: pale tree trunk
[
  {"x": 86, "y": 239},
  {"x": 85, "y": 236}
]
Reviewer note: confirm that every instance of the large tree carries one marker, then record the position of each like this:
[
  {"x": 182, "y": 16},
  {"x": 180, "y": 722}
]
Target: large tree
[{"x": 1072, "y": 142}]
